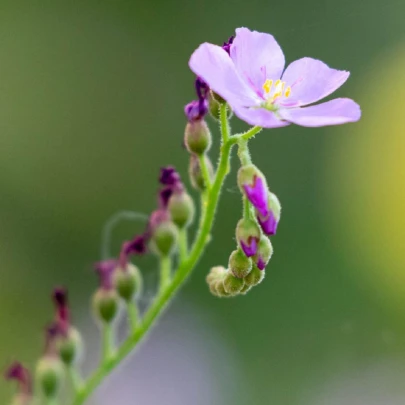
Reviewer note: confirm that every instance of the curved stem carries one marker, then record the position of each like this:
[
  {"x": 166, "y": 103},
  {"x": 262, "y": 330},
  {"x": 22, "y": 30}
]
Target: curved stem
[
  {"x": 133, "y": 315},
  {"x": 183, "y": 245},
  {"x": 165, "y": 272},
  {"x": 205, "y": 171},
  {"x": 180, "y": 276},
  {"x": 108, "y": 341},
  {"x": 75, "y": 379}
]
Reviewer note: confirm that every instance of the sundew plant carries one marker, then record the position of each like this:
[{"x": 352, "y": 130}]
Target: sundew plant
[{"x": 245, "y": 78}]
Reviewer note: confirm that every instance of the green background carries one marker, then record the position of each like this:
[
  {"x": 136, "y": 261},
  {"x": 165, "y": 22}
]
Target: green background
[{"x": 91, "y": 105}]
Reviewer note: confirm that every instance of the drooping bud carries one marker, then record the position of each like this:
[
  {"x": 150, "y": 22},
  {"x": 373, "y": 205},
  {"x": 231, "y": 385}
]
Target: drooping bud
[
  {"x": 181, "y": 208},
  {"x": 255, "y": 277},
  {"x": 197, "y": 137},
  {"x": 233, "y": 285},
  {"x": 264, "y": 253},
  {"x": 253, "y": 185},
  {"x": 70, "y": 347},
  {"x": 239, "y": 264},
  {"x": 49, "y": 376},
  {"x": 195, "y": 173},
  {"x": 60, "y": 299},
  {"x": 17, "y": 372},
  {"x": 164, "y": 233},
  {"x": 269, "y": 222},
  {"x": 248, "y": 236},
  {"x": 128, "y": 282},
  {"x": 245, "y": 289},
  {"x": 215, "y": 281},
  {"x": 169, "y": 176}
]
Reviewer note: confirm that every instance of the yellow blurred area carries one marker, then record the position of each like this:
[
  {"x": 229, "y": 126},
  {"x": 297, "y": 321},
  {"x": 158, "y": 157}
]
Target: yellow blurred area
[{"x": 367, "y": 169}]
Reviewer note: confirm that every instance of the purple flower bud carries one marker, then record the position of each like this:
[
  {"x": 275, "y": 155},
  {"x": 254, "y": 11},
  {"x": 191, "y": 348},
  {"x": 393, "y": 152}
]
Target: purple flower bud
[
  {"x": 269, "y": 222},
  {"x": 256, "y": 193},
  {"x": 201, "y": 88},
  {"x": 60, "y": 299},
  {"x": 16, "y": 371},
  {"x": 105, "y": 270},
  {"x": 248, "y": 236},
  {"x": 169, "y": 176},
  {"x": 164, "y": 196},
  {"x": 227, "y": 45},
  {"x": 196, "y": 110},
  {"x": 250, "y": 247},
  {"x": 264, "y": 253}
]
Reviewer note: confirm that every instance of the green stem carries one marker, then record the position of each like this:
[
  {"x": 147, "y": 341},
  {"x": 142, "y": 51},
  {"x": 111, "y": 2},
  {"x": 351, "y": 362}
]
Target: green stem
[
  {"x": 162, "y": 300},
  {"x": 183, "y": 245},
  {"x": 243, "y": 152},
  {"x": 165, "y": 272},
  {"x": 133, "y": 315},
  {"x": 75, "y": 379},
  {"x": 246, "y": 208},
  {"x": 223, "y": 116},
  {"x": 108, "y": 341},
  {"x": 205, "y": 171}
]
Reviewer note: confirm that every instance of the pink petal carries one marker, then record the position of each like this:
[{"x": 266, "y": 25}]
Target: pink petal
[
  {"x": 259, "y": 117},
  {"x": 311, "y": 80},
  {"x": 257, "y": 57},
  {"x": 216, "y": 68},
  {"x": 333, "y": 112}
]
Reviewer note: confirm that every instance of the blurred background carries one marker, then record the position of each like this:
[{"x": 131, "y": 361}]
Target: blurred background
[{"x": 91, "y": 106}]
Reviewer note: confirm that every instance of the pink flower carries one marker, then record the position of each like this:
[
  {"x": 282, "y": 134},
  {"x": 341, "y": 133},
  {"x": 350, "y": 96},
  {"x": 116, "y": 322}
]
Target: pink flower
[{"x": 251, "y": 79}]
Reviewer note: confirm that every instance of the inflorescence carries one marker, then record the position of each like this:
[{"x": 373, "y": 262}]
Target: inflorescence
[{"x": 244, "y": 77}]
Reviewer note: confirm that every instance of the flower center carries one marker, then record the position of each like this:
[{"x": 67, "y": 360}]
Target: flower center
[{"x": 273, "y": 91}]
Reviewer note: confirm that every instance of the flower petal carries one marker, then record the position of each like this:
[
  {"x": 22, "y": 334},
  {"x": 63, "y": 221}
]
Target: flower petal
[
  {"x": 257, "y": 57},
  {"x": 333, "y": 112},
  {"x": 216, "y": 68},
  {"x": 259, "y": 117},
  {"x": 311, "y": 80}
]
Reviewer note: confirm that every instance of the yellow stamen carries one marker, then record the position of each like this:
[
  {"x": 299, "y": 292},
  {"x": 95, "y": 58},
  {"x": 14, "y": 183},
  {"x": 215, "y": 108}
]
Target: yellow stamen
[
  {"x": 268, "y": 84},
  {"x": 287, "y": 92}
]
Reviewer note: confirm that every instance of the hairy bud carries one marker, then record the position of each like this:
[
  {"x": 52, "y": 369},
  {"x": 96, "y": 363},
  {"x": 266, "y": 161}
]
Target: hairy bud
[
  {"x": 255, "y": 277},
  {"x": 105, "y": 305},
  {"x": 270, "y": 220},
  {"x": 215, "y": 281},
  {"x": 49, "y": 375},
  {"x": 181, "y": 208},
  {"x": 264, "y": 253},
  {"x": 232, "y": 284},
  {"x": 164, "y": 238},
  {"x": 128, "y": 282},
  {"x": 239, "y": 264},
  {"x": 195, "y": 173},
  {"x": 248, "y": 236},
  {"x": 70, "y": 347},
  {"x": 197, "y": 137}
]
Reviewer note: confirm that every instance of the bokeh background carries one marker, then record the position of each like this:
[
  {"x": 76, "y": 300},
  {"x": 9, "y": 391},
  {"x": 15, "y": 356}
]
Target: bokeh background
[{"x": 91, "y": 105}]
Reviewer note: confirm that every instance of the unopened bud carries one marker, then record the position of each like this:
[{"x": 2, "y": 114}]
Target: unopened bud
[
  {"x": 128, "y": 282},
  {"x": 248, "y": 236},
  {"x": 215, "y": 281},
  {"x": 105, "y": 305},
  {"x": 70, "y": 347},
  {"x": 232, "y": 284},
  {"x": 197, "y": 138},
  {"x": 164, "y": 238},
  {"x": 195, "y": 173},
  {"x": 252, "y": 184},
  {"x": 49, "y": 375},
  {"x": 264, "y": 253},
  {"x": 269, "y": 222},
  {"x": 245, "y": 289},
  {"x": 255, "y": 277},
  {"x": 239, "y": 264},
  {"x": 181, "y": 208}
]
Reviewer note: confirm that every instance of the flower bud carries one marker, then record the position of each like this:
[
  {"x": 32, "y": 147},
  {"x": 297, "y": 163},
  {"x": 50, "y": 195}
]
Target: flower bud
[
  {"x": 253, "y": 185},
  {"x": 164, "y": 238},
  {"x": 255, "y": 277},
  {"x": 245, "y": 289},
  {"x": 239, "y": 264},
  {"x": 214, "y": 105},
  {"x": 181, "y": 208},
  {"x": 232, "y": 284},
  {"x": 264, "y": 253},
  {"x": 197, "y": 137},
  {"x": 248, "y": 236},
  {"x": 105, "y": 305},
  {"x": 70, "y": 347},
  {"x": 269, "y": 222},
  {"x": 128, "y": 282},
  {"x": 215, "y": 280},
  {"x": 49, "y": 375},
  {"x": 195, "y": 173}
]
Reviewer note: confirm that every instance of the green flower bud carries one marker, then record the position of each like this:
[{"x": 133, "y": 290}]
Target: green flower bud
[
  {"x": 164, "y": 238},
  {"x": 49, "y": 374},
  {"x": 181, "y": 208},
  {"x": 220, "y": 289},
  {"x": 215, "y": 280},
  {"x": 194, "y": 171},
  {"x": 105, "y": 305},
  {"x": 214, "y": 105},
  {"x": 248, "y": 236},
  {"x": 197, "y": 137},
  {"x": 232, "y": 284},
  {"x": 245, "y": 289},
  {"x": 255, "y": 277},
  {"x": 239, "y": 264},
  {"x": 264, "y": 253},
  {"x": 70, "y": 347},
  {"x": 128, "y": 282}
]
